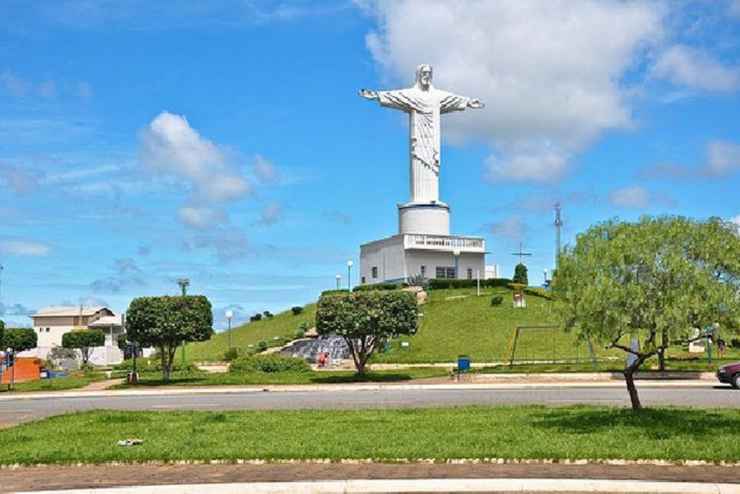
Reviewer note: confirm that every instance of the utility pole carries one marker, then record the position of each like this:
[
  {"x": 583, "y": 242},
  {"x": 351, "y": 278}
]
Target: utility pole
[{"x": 558, "y": 226}]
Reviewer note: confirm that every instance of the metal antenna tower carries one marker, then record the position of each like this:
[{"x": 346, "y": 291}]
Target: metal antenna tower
[{"x": 558, "y": 225}]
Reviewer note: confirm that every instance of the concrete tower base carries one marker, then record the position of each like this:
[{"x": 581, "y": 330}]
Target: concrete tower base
[{"x": 431, "y": 218}]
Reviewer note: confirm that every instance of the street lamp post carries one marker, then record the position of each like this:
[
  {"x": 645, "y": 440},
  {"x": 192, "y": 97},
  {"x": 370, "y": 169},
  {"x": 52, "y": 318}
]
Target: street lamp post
[
  {"x": 349, "y": 275},
  {"x": 456, "y": 253},
  {"x": 339, "y": 280},
  {"x": 229, "y": 315}
]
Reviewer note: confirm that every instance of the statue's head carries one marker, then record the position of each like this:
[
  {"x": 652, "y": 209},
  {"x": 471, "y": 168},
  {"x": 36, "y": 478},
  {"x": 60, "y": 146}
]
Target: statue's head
[{"x": 424, "y": 76}]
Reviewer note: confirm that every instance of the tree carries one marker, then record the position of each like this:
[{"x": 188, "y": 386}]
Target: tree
[
  {"x": 20, "y": 339},
  {"x": 649, "y": 283},
  {"x": 366, "y": 319},
  {"x": 83, "y": 340},
  {"x": 520, "y": 274},
  {"x": 2, "y": 335},
  {"x": 166, "y": 322}
]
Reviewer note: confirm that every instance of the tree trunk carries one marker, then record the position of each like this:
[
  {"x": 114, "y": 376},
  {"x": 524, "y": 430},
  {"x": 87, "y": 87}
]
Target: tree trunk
[
  {"x": 631, "y": 389},
  {"x": 661, "y": 359},
  {"x": 163, "y": 353}
]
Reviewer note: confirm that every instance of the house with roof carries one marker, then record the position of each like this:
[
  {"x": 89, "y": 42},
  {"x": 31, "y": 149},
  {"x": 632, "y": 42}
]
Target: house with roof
[{"x": 50, "y": 323}]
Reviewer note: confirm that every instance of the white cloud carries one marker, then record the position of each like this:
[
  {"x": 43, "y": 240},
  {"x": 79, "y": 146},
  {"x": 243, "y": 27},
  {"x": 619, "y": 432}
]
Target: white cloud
[
  {"x": 549, "y": 72},
  {"x": 630, "y": 197},
  {"x": 736, "y": 220},
  {"x": 271, "y": 214},
  {"x": 723, "y": 158},
  {"x": 512, "y": 228},
  {"x": 171, "y": 146},
  {"x": 265, "y": 171},
  {"x": 686, "y": 66},
  {"x": 201, "y": 217},
  {"x": 23, "y": 248}
]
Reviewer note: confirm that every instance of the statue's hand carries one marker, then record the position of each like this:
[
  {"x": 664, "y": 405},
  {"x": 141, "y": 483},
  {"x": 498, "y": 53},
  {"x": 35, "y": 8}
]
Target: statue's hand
[
  {"x": 476, "y": 103},
  {"x": 366, "y": 93}
]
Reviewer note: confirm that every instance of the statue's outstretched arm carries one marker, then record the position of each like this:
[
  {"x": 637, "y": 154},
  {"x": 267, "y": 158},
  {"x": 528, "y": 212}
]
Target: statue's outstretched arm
[
  {"x": 369, "y": 94},
  {"x": 476, "y": 104}
]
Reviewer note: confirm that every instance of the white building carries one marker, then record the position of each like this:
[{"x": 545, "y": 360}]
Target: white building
[{"x": 50, "y": 323}]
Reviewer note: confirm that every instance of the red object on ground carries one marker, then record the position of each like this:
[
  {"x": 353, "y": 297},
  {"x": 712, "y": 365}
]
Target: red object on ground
[{"x": 26, "y": 369}]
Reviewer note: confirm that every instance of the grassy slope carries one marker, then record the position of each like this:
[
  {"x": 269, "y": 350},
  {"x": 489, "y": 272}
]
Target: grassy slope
[
  {"x": 283, "y": 325},
  {"x": 451, "y": 327},
  {"x": 441, "y": 433}
]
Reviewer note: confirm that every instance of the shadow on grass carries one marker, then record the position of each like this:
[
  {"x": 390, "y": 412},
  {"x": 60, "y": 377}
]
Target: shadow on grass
[{"x": 654, "y": 423}]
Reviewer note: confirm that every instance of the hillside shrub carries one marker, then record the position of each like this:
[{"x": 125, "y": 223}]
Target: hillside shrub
[
  {"x": 153, "y": 364},
  {"x": 262, "y": 346},
  {"x": 231, "y": 354},
  {"x": 296, "y": 310},
  {"x": 256, "y": 317},
  {"x": 299, "y": 333},
  {"x": 376, "y": 286},
  {"x": 334, "y": 292},
  {"x": 267, "y": 314},
  {"x": 269, "y": 364},
  {"x": 445, "y": 283},
  {"x": 496, "y": 300}
]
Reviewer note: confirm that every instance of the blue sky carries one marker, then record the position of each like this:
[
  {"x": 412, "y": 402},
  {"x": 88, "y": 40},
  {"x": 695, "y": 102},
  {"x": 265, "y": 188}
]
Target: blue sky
[{"x": 224, "y": 141}]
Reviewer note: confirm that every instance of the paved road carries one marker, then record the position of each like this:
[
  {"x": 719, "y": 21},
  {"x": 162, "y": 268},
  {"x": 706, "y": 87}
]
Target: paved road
[{"x": 25, "y": 408}]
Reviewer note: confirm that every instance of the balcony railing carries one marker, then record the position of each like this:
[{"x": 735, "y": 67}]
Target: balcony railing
[{"x": 444, "y": 242}]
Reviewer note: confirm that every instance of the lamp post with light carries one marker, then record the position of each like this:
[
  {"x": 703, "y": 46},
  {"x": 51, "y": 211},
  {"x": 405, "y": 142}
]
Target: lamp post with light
[
  {"x": 349, "y": 275},
  {"x": 339, "y": 280},
  {"x": 229, "y": 315}
]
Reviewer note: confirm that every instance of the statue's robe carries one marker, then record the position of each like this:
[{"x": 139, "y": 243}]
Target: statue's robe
[{"x": 424, "y": 109}]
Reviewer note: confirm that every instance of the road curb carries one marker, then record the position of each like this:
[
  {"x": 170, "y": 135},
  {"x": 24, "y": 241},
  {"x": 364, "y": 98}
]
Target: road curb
[
  {"x": 350, "y": 387},
  {"x": 425, "y": 485}
]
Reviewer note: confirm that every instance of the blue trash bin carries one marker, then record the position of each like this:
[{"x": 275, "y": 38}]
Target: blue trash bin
[{"x": 463, "y": 363}]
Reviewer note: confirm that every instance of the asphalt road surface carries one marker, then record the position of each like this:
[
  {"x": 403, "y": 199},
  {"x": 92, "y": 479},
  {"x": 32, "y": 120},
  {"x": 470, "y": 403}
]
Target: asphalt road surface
[{"x": 20, "y": 409}]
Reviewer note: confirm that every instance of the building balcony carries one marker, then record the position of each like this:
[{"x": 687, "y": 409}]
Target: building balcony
[{"x": 450, "y": 243}]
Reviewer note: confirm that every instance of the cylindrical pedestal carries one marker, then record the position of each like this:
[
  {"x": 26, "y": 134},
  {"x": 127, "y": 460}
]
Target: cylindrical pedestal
[{"x": 432, "y": 218}]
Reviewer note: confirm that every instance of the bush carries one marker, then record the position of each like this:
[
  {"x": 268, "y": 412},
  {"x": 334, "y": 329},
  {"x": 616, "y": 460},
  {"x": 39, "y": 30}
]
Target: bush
[
  {"x": 334, "y": 292},
  {"x": 296, "y": 310},
  {"x": 497, "y": 300},
  {"x": 269, "y": 364},
  {"x": 231, "y": 354},
  {"x": 267, "y": 314},
  {"x": 376, "y": 286},
  {"x": 153, "y": 364},
  {"x": 520, "y": 274},
  {"x": 418, "y": 280},
  {"x": 262, "y": 346},
  {"x": 299, "y": 333},
  {"x": 256, "y": 317},
  {"x": 443, "y": 283},
  {"x": 735, "y": 343}
]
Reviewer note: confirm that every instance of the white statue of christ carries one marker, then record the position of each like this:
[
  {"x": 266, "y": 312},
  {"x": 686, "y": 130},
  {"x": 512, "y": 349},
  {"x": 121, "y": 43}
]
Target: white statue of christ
[{"x": 424, "y": 103}]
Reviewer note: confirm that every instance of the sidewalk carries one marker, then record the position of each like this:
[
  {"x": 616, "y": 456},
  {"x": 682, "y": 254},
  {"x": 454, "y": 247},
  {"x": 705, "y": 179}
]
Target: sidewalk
[{"x": 425, "y": 477}]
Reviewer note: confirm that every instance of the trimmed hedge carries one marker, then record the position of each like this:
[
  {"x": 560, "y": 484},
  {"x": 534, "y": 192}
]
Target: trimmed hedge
[
  {"x": 443, "y": 283},
  {"x": 269, "y": 363},
  {"x": 334, "y": 292},
  {"x": 376, "y": 286}
]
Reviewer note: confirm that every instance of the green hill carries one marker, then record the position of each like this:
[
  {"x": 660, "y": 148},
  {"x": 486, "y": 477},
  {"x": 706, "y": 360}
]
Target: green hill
[
  {"x": 275, "y": 331},
  {"x": 457, "y": 322}
]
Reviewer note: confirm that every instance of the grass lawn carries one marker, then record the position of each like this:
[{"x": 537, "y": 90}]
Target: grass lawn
[
  {"x": 75, "y": 380},
  {"x": 457, "y": 322},
  {"x": 532, "y": 432},
  {"x": 324, "y": 377},
  {"x": 283, "y": 326}
]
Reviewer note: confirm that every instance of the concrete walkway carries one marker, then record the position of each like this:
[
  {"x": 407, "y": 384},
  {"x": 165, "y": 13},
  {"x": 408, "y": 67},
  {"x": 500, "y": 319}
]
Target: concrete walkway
[{"x": 370, "y": 477}]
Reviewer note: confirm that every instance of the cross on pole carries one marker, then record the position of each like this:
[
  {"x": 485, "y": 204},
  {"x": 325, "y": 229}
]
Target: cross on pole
[{"x": 521, "y": 254}]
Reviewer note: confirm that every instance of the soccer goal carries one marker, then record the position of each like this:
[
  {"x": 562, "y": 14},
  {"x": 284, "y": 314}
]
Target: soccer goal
[{"x": 548, "y": 344}]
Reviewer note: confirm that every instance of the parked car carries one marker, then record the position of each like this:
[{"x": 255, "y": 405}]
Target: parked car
[{"x": 730, "y": 374}]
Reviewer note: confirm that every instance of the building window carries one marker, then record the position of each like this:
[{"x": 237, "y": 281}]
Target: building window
[
  {"x": 47, "y": 330},
  {"x": 470, "y": 274},
  {"x": 423, "y": 271},
  {"x": 363, "y": 280},
  {"x": 375, "y": 271},
  {"x": 444, "y": 272}
]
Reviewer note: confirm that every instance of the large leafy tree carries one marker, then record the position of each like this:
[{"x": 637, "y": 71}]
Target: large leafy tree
[
  {"x": 20, "y": 339},
  {"x": 166, "y": 322},
  {"x": 2, "y": 335},
  {"x": 651, "y": 282},
  {"x": 366, "y": 319},
  {"x": 83, "y": 340}
]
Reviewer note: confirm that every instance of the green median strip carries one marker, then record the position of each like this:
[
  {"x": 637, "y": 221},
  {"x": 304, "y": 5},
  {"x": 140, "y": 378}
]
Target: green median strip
[{"x": 524, "y": 432}]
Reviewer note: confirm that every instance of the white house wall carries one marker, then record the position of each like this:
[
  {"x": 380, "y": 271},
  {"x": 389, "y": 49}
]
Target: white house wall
[
  {"x": 431, "y": 260},
  {"x": 387, "y": 255}
]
